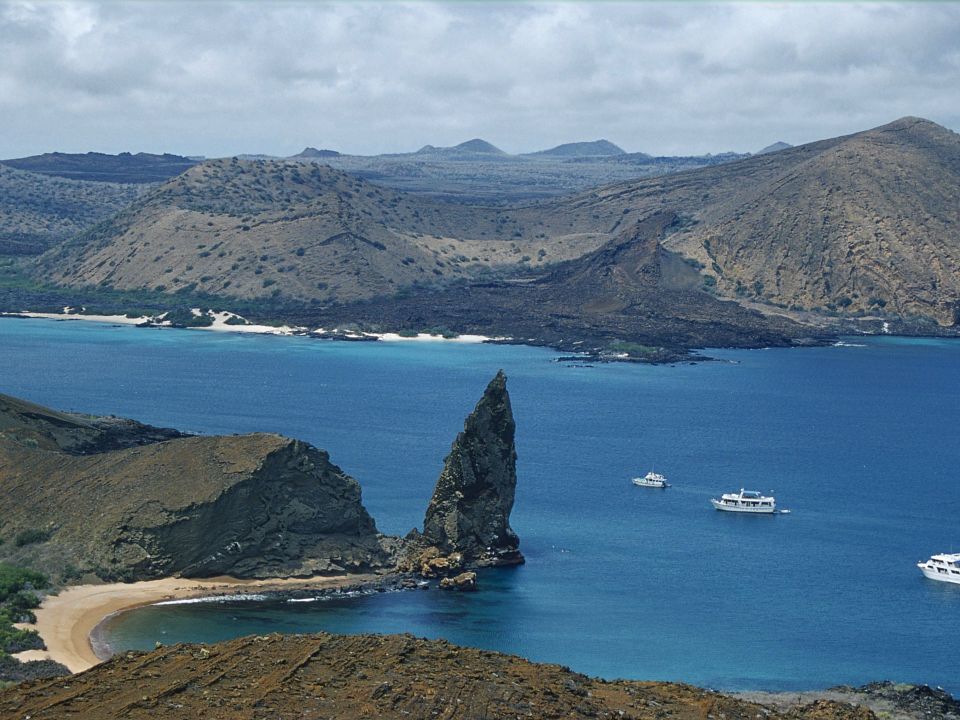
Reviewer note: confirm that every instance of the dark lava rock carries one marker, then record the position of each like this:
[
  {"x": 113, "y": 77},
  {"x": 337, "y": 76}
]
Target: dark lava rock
[
  {"x": 469, "y": 512},
  {"x": 923, "y": 699}
]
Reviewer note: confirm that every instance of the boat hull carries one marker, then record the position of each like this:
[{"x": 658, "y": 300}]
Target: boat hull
[
  {"x": 642, "y": 483},
  {"x": 725, "y": 507},
  {"x": 932, "y": 574}
]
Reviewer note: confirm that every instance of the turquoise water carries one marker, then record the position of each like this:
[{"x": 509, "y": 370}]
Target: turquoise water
[{"x": 859, "y": 442}]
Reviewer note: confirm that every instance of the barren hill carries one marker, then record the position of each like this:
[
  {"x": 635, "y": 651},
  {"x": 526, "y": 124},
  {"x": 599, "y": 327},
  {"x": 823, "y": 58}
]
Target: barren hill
[
  {"x": 259, "y": 229},
  {"x": 865, "y": 224}
]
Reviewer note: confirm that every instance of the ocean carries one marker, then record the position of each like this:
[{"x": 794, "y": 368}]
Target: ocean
[{"x": 859, "y": 441}]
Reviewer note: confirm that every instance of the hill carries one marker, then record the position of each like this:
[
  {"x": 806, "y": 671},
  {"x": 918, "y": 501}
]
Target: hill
[
  {"x": 38, "y": 211},
  {"x": 366, "y": 676},
  {"x": 865, "y": 224},
  {"x": 596, "y": 148},
  {"x": 774, "y": 147},
  {"x": 859, "y": 226},
  {"x": 312, "y": 152},
  {"x": 475, "y": 149},
  {"x": 100, "y": 167},
  {"x": 121, "y": 501},
  {"x": 264, "y": 229},
  {"x": 628, "y": 299}
]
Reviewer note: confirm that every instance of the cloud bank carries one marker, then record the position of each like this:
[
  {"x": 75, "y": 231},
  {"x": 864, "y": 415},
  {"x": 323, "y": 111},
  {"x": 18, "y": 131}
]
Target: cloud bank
[{"x": 226, "y": 78}]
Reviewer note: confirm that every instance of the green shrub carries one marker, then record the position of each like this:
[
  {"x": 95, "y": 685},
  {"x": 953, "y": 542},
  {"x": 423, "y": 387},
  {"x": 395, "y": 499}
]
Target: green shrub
[{"x": 31, "y": 536}]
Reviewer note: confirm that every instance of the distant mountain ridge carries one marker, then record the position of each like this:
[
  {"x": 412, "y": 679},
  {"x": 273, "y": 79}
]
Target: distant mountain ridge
[
  {"x": 100, "y": 167},
  {"x": 864, "y": 225}
]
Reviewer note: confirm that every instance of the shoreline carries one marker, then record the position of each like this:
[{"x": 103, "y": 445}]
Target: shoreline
[
  {"x": 220, "y": 324},
  {"x": 69, "y": 622}
]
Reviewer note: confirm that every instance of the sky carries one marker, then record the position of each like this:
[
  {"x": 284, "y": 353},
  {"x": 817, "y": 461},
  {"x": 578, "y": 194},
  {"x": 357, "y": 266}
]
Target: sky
[{"x": 219, "y": 79}]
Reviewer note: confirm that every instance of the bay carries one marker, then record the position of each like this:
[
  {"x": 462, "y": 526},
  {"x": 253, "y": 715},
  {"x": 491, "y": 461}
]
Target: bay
[{"x": 859, "y": 441}]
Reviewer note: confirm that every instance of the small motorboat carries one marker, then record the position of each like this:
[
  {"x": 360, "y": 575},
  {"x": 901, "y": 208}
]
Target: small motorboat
[
  {"x": 651, "y": 479},
  {"x": 746, "y": 501},
  {"x": 945, "y": 568}
]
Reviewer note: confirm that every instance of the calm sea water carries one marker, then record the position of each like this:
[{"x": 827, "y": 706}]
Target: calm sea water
[{"x": 861, "y": 443}]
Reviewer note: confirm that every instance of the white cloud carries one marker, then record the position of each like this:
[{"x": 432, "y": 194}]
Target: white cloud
[{"x": 215, "y": 79}]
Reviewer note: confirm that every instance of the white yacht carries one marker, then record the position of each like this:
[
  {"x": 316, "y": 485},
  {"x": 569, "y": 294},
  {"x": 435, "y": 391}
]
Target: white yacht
[
  {"x": 651, "y": 479},
  {"x": 746, "y": 501},
  {"x": 945, "y": 568}
]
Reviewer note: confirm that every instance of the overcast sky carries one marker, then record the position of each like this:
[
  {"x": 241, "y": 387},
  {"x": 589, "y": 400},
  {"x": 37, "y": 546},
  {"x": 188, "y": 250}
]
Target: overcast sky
[{"x": 681, "y": 78}]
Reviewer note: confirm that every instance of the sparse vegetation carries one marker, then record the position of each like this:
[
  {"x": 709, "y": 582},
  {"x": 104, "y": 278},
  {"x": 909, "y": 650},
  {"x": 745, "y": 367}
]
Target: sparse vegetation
[{"x": 31, "y": 537}]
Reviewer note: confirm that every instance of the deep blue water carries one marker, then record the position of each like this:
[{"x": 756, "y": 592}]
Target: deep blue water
[{"x": 861, "y": 443}]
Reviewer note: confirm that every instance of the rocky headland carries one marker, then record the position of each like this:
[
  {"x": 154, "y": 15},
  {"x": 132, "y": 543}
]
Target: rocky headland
[{"x": 112, "y": 499}]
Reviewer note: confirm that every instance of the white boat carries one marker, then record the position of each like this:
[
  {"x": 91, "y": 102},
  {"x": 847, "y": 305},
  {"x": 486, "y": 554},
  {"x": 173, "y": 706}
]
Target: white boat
[
  {"x": 651, "y": 479},
  {"x": 945, "y": 568},
  {"x": 746, "y": 501}
]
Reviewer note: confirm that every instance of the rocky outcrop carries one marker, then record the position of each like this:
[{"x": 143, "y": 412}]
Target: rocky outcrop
[
  {"x": 464, "y": 582},
  {"x": 255, "y": 505},
  {"x": 84, "y": 496},
  {"x": 469, "y": 512},
  {"x": 368, "y": 676},
  {"x": 33, "y": 425}
]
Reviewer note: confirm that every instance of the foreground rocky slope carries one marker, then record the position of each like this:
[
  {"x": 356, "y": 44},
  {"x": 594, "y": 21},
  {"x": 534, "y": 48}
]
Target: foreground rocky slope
[{"x": 365, "y": 676}]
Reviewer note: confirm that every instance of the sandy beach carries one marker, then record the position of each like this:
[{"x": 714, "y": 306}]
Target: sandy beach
[
  {"x": 66, "y": 621},
  {"x": 220, "y": 324}
]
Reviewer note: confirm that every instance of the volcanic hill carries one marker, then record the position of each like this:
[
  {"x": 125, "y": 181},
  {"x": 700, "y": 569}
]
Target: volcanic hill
[
  {"x": 862, "y": 225},
  {"x": 261, "y": 229}
]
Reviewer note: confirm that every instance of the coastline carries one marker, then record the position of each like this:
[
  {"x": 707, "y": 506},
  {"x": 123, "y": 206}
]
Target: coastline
[
  {"x": 68, "y": 621},
  {"x": 220, "y": 324}
]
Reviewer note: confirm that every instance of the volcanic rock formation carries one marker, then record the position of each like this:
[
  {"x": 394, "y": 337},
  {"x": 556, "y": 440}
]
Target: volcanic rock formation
[
  {"x": 469, "y": 512},
  {"x": 121, "y": 500}
]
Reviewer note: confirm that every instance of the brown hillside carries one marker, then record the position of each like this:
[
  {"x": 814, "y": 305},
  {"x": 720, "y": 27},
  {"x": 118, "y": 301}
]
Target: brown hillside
[
  {"x": 310, "y": 677},
  {"x": 256, "y": 229},
  {"x": 870, "y": 223},
  {"x": 862, "y": 224}
]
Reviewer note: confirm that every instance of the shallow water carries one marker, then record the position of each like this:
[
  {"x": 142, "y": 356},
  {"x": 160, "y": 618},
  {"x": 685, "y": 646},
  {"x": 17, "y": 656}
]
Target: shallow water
[{"x": 859, "y": 442}]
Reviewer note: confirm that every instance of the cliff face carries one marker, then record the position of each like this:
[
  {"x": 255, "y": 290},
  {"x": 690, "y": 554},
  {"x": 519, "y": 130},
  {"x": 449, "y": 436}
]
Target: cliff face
[
  {"x": 249, "y": 506},
  {"x": 469, "y": 512}
]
